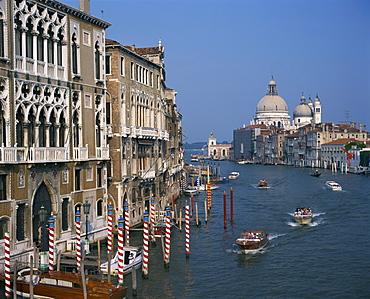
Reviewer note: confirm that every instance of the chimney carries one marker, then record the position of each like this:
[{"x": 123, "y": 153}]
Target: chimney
[
  {"x": 85, "y": 6},
  {"x": 360, "y": 125}
]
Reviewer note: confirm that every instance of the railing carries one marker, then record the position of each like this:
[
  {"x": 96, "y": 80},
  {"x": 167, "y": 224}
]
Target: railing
[
  {"x": 41, "y": 68},
  {"x": 51, "y": 70},
  {"x": 102, "y": 152},
  {"x": 125, "y": 130},
  {"x": 81, "y": 153},
  {"x": 30, "y": 65},
  {"x": 33, "y": 154},
  {"x": 19, "y": 62},
  {"x": 61, "y": 72}
]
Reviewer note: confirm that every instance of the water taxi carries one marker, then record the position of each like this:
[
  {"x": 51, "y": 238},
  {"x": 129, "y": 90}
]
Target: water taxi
[
  {"x": 234, "y": 175},
  {"x": 316, "y": 173},
  {"x": 252, "y": 240},
  {"x": 331, "y": 185},
  {"x": 303, "y": 215},
  {"x": 132, "y": 257},
  {"x": 262, "y": 184}
]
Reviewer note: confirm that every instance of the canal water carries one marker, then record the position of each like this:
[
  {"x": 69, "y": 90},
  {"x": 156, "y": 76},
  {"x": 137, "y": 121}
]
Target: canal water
[{"x": 328, "y": 259}]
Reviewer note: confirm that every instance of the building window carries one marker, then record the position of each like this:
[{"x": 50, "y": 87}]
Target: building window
[
  {"x": 89, "y": 175},
  {"x": 99, "y": 208},
  {"x": 88, "y": 101},
  {"x": 18, "y": 38},
  {"x": 99, "y": 177},
  {"x": 97, "y": 62},
  {"x": 2, "y": 187},
  {"x": 86, "y": 38},
  {"x": 108, "y": 113},
  {"x": 29, "y": 41},
  {"x": 132, "y": 71},
  {"x": 65, "y": 205},
  {"x": 74, "y": 54},
  {"x": 122, "y": 68},
  {"x": 77, "y": 179},
  {"x": 3, "y": 227},
  {"x": 20, "y": 222},
  {"x": 108, "y": 70},
  {"x": 50, "y": 47},
  {"x": 2, "y": 51},
  {"x": 40, "y": 44}
]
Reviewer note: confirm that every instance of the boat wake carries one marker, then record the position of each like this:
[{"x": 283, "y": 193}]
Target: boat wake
[
  {"x": 274, "y": 236},
  {"x": 312, "y": 224}
]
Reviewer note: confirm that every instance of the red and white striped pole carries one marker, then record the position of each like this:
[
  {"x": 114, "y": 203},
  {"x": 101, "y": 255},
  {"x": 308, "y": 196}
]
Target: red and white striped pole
[
  {"x": 127, "y": 223},
  {"x": 51, "y": 242},
  {"x": 152, "y": 219},
  {"x": 187, "y": 232},
  {"x": 120, "y": 250},
  {"x": 145, "y": 245},
  {"x": 78, "y": 238},
  {"x": 8, "y": 289},
  {"x": 110, "y": 225},
  {"x": 168, "y": 238}
]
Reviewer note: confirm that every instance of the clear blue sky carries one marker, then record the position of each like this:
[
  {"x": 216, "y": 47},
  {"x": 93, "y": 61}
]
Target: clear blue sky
[{"x": 220, "y": 55}]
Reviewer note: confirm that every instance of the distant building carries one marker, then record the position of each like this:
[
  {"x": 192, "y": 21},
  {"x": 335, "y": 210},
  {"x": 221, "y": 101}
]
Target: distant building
[{"x": 217, "y": 151}]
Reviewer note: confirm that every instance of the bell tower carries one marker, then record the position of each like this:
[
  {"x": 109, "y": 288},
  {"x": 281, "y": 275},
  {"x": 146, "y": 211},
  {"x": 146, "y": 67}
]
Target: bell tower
[{"x": 317, "y": 110}]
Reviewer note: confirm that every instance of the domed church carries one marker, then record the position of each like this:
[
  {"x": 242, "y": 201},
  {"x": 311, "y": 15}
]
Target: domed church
[{"x": 272, "y": 109}]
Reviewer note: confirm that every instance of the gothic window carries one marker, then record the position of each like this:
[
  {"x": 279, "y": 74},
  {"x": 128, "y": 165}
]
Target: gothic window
[
  {"x": 40, "y": 44},
  {"x": 62, "y": 123},
  {"x": 2, "y": 187},
  {"x": 98, "y": 132},
  {"x": 99, "y": 208},
  {"x": 74, "y": 54},
  {"x": 2, "y": 128},
  {"x": 18, "y": 38},
  {"x": 108, "y": 64},
  {"x": 42, "y": 130},
  {"x": 19, "y": 128},
  {"x": 122, "y": 69},
  {"x": 65, "y": 205},
  {"x": 50, "y": 48},
  {"x": 97, "y": 62},
  {"x": 59, "y": 48},
  {"x": 29, "y": 40},
  {"x": 31, "y": 129},
  {"x": 2, "y": 35},
  {"x": 76, "y": 131},
  {"x": 52, "y": 131},
  {"x": 20, "y": 222}
]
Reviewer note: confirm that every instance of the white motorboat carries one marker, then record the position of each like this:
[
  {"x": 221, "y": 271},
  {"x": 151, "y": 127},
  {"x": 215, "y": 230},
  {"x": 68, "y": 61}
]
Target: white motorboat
[
  {"x": 132, "y": 257},
  {"x": 331, "y": 185},
  {"x": 234, "y": 175},
  {"x": 190, "y": 191}
]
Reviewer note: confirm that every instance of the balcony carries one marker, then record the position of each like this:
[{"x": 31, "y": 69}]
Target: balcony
[
  {"x": 147, "y": 174},
  {"x": 125, "y": 130},
  {"x": 9, "y": 155},
  {"x": 102, "y": 153},
  {"x": 81, "y": 153}
]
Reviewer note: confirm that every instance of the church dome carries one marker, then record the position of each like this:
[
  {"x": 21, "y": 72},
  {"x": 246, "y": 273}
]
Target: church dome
[
  {"x": 303, "y": 109},
  {"x": 272, "y": 102}
]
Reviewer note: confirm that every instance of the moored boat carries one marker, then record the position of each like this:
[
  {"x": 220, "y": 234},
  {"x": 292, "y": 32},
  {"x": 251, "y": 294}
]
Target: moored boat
[
  {"x": 66, "y": 285},
  {"x": 132, "y": 257},
  {"x": 191, "y": 190},
  {"x": 219, "y": 180},
  {"x": 234, "y": 175},
  {"x": 331, "y": 185},
  {"x": 303, "y": 215},
  {"x": 262, "y": 184},
  {"x": 252, "y": 240}
]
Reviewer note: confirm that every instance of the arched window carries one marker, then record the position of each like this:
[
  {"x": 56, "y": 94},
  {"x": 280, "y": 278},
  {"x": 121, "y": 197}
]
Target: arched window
[
  {"x": 74, "y": 54},
  {"x": 97, "y": 62},
  {"x": 18, "y": 37},
  {"x": 50, "y": 47},
  {"x": 98, "y": 132},
  {"x": 19, "y": 128},
  {"x": 29, "y": 40},
  {"x": 52, "y": 131},
  {"x": 2, "y": 35},
  {"x": 59, "y": 48},
  {"x": 42, "y": 130},
  {"x": 76, "y": 131},
  {"x": 2, "y": 127},
  {"x": 40, "y": 44}
]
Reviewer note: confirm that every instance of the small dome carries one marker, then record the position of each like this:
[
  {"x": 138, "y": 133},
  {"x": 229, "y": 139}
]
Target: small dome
[{"x": 302, "y": 110}]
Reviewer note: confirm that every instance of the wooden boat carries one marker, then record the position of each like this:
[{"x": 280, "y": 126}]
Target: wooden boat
[
  {"x": 234, "y": 175},
  {"x": 252, "y": 240},
  {"x": 303, "y": 215},
  {"x": 316, "y": 173},
  {"x": 331, "y": 185},
  {"x": 66, "y": 285},
  {"x": 262, "y": 184},
  {"x": 132, "y": 257}
]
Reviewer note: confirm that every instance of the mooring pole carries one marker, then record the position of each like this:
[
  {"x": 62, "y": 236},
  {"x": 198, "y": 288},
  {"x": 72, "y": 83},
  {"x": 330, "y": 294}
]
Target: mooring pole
[
  {"x": 231, "y": 204},
  {"x": 225, "y": 210}
]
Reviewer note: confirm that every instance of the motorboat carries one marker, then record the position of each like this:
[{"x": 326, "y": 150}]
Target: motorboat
[
  {"x": 234, "y": 175},
  {"x": 262, "y": 184},
  {"x": 132, "y": 257},
  {"x": 316, "y": 173},
  {"x": 65, "y": 285},
  {"x": 190, "y": 191},
  {"x": 331, "y": 185},
  {"x": 252, "y": 240},
  {"x": 204, "y": 187},
  {"x": 219, "y": 180},
  {"x": 303, "y": 215}
]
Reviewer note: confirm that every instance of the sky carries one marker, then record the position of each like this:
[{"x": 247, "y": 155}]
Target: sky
[{"x": 221, "y": 54}]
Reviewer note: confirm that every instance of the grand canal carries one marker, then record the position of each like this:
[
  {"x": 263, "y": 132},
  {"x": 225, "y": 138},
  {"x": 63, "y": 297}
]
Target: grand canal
[{"x": 328, "y": 259}]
